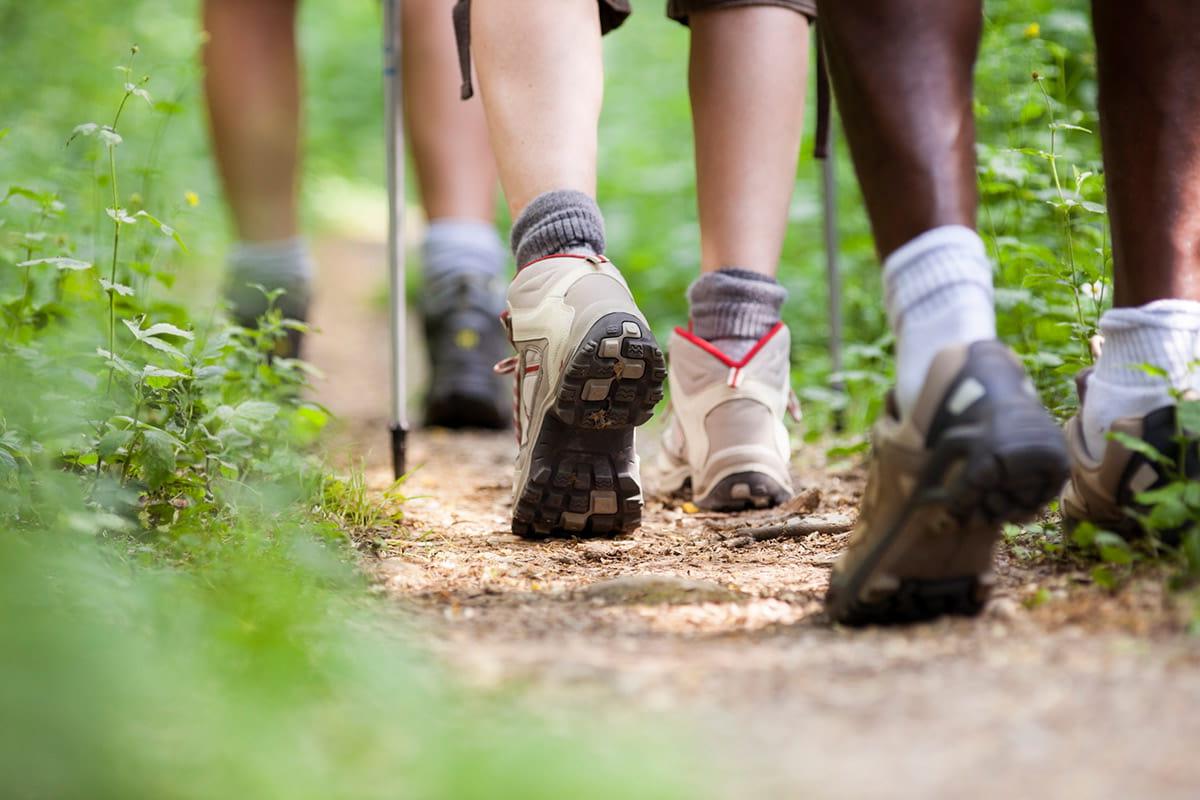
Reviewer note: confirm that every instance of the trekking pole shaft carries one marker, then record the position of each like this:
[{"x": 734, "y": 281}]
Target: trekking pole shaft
[{"x": 394, "y": 131}]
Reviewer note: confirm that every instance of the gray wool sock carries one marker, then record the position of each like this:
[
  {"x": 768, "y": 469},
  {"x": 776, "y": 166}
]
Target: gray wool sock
[
  {"x": 734, "y": 308},
  {"x": 285, "y": 264},
  {"x": 455, "y": 248},
  {"x": 564, "y": 221}
]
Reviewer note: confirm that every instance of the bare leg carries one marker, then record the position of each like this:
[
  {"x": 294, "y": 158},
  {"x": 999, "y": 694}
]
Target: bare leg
[
  {"x": 903, "y": 74},
  {"x": 1149, "y": 64},
  {"x": 748, "y": 76},
  {"x": 252, "y": 84},
  {"x": 541, "y": 78},
  {"x": 448, "y": 137}
]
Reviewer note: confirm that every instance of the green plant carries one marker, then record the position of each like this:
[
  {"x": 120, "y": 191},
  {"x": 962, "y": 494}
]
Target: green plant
[
  {"x": 349, "y": 499},
  {"x": 180, "y": 612}
]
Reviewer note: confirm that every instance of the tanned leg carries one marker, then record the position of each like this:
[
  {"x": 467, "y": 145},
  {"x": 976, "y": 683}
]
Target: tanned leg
[
  {"x": 1149, "y": 65},
  {"x": 902, "y": 70},
  {"x": 748, "y": 74},
  {"x": 252, "y": 84},
  {"x": 448, "y": 137},
  {"x": 541, "y": 78}
]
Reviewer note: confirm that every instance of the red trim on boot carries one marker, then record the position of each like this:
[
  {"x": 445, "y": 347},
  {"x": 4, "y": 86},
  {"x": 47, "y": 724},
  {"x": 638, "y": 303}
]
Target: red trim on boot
[{"x": 716, "y": 353}]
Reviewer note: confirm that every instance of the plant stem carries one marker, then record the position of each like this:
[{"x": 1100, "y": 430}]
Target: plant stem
[
  {"x": 116, "y": 245},
  {"x": 1066, "y": 213}
]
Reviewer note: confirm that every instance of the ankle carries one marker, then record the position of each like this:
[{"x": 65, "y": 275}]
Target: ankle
[
  {"x": 734, "y": 308},
  {"x": 564, "y": 221}
]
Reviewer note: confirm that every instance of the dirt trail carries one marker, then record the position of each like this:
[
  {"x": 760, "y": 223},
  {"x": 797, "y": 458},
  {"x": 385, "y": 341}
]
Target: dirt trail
[{"x": 1086, "y": 694}]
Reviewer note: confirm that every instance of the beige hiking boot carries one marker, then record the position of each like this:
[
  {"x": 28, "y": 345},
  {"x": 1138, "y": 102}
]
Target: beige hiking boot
[
  {"x": 978, "y": 450},
  {"x": 1103, "y": 490},
  {"x": 588, "y": 371},
  {"x": 726, "y": 436}
]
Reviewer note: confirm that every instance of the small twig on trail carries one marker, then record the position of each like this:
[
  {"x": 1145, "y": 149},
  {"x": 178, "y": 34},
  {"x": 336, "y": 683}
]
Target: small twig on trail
[{"x": 791, "y": 528}]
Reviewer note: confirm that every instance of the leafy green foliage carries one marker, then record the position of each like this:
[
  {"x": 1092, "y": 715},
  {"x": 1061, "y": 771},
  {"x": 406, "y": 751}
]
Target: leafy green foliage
[{"x": 180, "y": 612}]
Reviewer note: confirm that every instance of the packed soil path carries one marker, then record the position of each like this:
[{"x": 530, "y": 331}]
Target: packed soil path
[{"x": 1060, "y": 689}]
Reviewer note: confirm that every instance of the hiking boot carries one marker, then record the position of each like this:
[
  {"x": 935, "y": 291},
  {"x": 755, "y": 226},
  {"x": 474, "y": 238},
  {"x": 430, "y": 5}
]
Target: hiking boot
[
  {"x": 977, "y": 450},
  {"x": 464, "y": 339},
  {"x": 588, "y": 371},
  {"x": 727, "y": 438},
  {"x": 1104, "y": 490}
]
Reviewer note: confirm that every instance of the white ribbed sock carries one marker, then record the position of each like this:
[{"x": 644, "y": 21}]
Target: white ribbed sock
[
  {"x": 1165, "y": 334},
  {"x": 939, "y": 293}
]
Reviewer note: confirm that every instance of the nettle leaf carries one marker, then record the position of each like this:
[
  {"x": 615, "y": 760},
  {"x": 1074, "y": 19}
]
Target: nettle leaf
[
  {"x": 152, "y": 371},
  {"x": 163, "y": 347},
  {"x": 1188, "y": 413},
  {"x": 116, "y": 288},
  {"x": 159, "y": 377},
  {"x": 211, "y": 372},
  {"x": 166, "y": 230},
  {"x": 1066, "y": 126},
  {"x": 1153, "y": 370},
  {"x": 1113, "y": 549},
  {"x": 113, "y": 442},
  {"x": 156, "y": 456},
  {"x": 167, "y": 329},
  {"x": 258, "y": 411},
  {"x": 116, "y": 362},
  {"x": 120, "y": 216},
  {"x": 150, "y": 339},
  {"x": 1140, "y": 446},
  {"x": 60, "y": 262}
]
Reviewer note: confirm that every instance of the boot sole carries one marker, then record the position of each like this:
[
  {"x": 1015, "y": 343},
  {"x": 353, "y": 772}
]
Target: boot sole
[
  {"x": 582, "y": 478},
  {"x": 976, "y": 480},
  {"x": 744, "y": 491}
]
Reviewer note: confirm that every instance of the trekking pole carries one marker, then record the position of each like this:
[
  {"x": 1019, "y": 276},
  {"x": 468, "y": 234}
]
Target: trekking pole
[
  {"x": 398, "y": 318},
  {"x": 833, "y": 275}
]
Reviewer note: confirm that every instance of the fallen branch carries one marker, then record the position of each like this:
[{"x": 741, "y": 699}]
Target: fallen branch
[{"x": 791, "y": 528}]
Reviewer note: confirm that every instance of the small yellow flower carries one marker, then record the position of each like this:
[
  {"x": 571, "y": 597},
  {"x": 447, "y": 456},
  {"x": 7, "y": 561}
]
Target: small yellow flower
[
  {"x": 1033, "y": 30},
  {"x": 191, "y": 198}
]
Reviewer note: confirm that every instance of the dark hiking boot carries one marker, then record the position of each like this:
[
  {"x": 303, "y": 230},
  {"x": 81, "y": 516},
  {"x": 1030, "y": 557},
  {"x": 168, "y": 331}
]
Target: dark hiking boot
[
  {"x": 464, "y": 339},
  {"x": 977, "y": 450},
  {"x": 1104, "y": 490}
]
